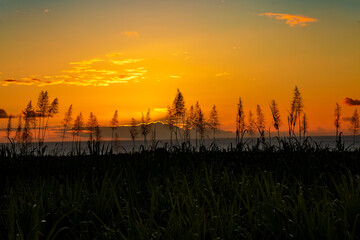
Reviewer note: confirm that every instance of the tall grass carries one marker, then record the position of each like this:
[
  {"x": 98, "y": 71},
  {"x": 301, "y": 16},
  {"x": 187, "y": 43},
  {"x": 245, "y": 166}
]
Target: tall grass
[{"x": 179, "y": 193}]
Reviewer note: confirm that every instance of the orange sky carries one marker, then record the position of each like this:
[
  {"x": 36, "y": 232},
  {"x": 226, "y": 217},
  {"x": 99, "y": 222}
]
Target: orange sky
[{"x": 106, "y": 55}]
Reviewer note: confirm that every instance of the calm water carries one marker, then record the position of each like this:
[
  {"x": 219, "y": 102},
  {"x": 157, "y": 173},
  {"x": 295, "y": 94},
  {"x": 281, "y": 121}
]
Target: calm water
[{"x": 223, "y": 143}]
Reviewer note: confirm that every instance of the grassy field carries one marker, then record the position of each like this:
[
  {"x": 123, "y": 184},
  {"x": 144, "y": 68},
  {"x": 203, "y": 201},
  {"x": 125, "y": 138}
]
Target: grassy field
[{"x": 294, "y": 191}]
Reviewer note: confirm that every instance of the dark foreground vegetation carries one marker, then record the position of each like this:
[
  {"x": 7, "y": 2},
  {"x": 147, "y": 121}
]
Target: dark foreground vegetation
[{"x": 297, "y": 191}]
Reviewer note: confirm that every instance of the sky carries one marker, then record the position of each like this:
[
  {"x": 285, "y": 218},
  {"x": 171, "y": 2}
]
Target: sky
[{"x": 133, "y": 55}]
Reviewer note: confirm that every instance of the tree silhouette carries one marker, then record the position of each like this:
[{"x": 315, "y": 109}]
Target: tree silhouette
[
  {"x": 66, "y": 122},
  {"x": 133, "y": 131},
  {"x": 337, "y": 121},
  {"x": 355, "y": 124},
  {"x": 251, "y": 127},
  {"x": 260, "y": 122},
  {"x": 178, "y": 111},
  {"x": 240, "y": 122},
  {"x": 145, "y": 125},
  {"x": 214, "y": 121},
  {"x": 276, "y": 116}
]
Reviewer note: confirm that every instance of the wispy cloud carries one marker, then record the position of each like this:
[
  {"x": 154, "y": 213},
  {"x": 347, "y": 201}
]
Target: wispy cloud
[
  {"x": 174, "y": 76},
  {"x": 161, "y": 110},
  {"x": 291, "y": 20},
  {"x": 180, "y": 53},
  {"x": 94, "y": 72},
  {"x": 222, "y": 74},
  {"x": 23, "y": 81},
  {"x": 114, "y": 55},
  {"x": 131, "y": 33},
  {"x": 351, "y": 102},
  {"x": 126, "y": 61},
  {"x": 87, "y": 62}
]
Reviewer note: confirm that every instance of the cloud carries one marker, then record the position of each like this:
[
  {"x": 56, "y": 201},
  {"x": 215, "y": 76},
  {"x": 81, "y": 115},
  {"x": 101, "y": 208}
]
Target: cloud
[
  {"x": 222, "y": 74},
  {"x": 47, "y": 10},
  {"x": 23, "y": 81},
  {"x": 351, "y": 102},
  {"x": 131, "y": 34},
  {"x": 174, "y": 76},
  {"x": 161, "y": 110},
  {"x": 180, "y": 53},
  {"x": 114, "y": 55},
  {"x": 3, "y": 113},
  {"x": 127, "y": 61},
  {"x": 94, "y": 72},
  {"x": 291, "y": 20},
  {"x": 87, "y": 62}
]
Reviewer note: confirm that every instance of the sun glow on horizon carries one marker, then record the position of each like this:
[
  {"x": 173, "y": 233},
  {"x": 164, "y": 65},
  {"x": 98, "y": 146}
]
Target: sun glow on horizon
[{"x": 132, "y": 56}]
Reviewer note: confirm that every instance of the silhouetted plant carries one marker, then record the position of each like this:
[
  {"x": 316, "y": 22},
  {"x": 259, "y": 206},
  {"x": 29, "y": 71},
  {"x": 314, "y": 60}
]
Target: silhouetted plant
[
  {"x": 294, "y": 113},
  {"x": 153, "y": 136},
  {"x": 276, "y": 116},
  {"x": 98, "y": 136},
  {"x": 133, "y": 131},
  {"x": 337, "y": 121},
  {"x": 189, "y": 124},
  {"x": 355, "y": 124},
  {"x": 240, "y": 122},
  {"x": 199, "y": 123},
  {"x": 53, "y": 110},
  {"x": 44, "y": 112},
  {"x": 304, "y": 125},
  {"x": 42, "y": 109},
  {"x": 29, "y": 118},
  {"x": 170, "y": 121},
  {"x": 260, "y": 122},
  {"x": 93, "y": 128},
  {"x": 251, "y": 126},
  {"x": 114, "y": 123},
  {"x": 145, "y": 125},
  {"x": 77, "y": 129},
  {"x": 91, "y": 124},
  {"x": 66, "y": 122},
  {"x": 18, "y": 130},
  {"x": 179, "y": 111},
  {"x": 9, "y": 128},
  {"x": 214, "y": 121}
]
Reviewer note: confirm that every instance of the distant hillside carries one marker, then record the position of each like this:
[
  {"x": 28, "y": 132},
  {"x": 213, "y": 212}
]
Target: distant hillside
[{"x": 162, "y": 132}]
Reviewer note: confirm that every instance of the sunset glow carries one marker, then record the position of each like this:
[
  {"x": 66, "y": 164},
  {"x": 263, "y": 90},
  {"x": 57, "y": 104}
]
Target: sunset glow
[{"x": 131, "y": 56}]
